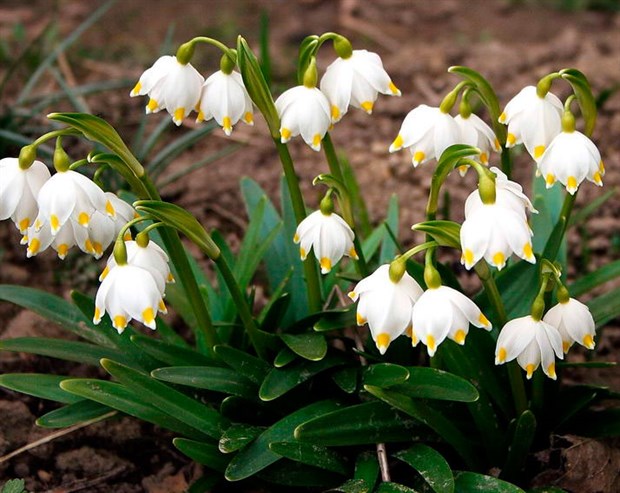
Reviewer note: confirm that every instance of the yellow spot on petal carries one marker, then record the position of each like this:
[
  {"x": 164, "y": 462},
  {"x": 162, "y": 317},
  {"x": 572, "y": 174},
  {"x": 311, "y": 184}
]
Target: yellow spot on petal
[
  {"x": 409, "y": 331},
  {"x": 601, "y": 168},
  {"x": 285, "y": 133},
  {"x": 538, "y": 151},
  {"x": 54, "y": 222},
  {"x": 550, "y": 179},
  {"x": 179, "y": 114},
  {"x": 162, "y": 307},
  {"x": 383, "y": 341},
  {"x": 418, "y": 157},
  {"x": 23, "y": 224},
  {"x": 98, "y": 247},
  {"x": 353, "y": 253},
  {"x": 430, "y": 342},
  {"x": 302, "y": 253},
  {"x": 483, "y": 320},
  {"x": 227, "y": 124},
  {"x": 527, "y": 251},
  {"x": 352, "y": 294},
  {"x": 459, "y": 337},
  {"x": 34, "y": 246},
  {"x": 83, "y": 219},
  {"x": 529, "y": 370},
  {"x": 463, "y": 169},
  {"x": 197, "y": 107},
  {"x": 148, "y": 316},
  {"x": 397, "y": 144},
  {"x": 296, "y": 238},
  {"x": 358, "y": 318},
  {"x": 105, "y": 272},
  {"x": 571, "y": 184},
  {"x": 200, "y": 117},
  {"x": 335, "y": 112},
  {"x": 468, "y": 256},
  {"x": 109, "y": 208},
  {"x": 551, "y": 371},
  {"x": 497, "y": 145},
  {"x": 367, "y": 106},
  {"x": 414, "y": 338},
  {"x": 119, "y": 322},
  {"x": 501, "y": 355},
  {"x": 62, "y": 250},
  {"x": 152, "y": 105},
  {"x": 88, "y": 246},
  {"x": 170, "y": 277},
  {"x": 484, "y": 158},
  {"x": 127, "y": 236},
  {"x": 499, "y": 259},
  {"x": 326, "y": 265},
  {"x": 588, "y": 341},
  {"x": 393, "y": 89},
  {"x": 97, "y": 316},
  {"x": 38, "y": 225},
  {"x": 316, "y": 140},
  {"x": 136, "y": 89},
  {"x": 248, "y": 118},
  {"x": 502, "y": 117},
  {"x": 597, "y": 179},
  {"x": 566, "y": 346},
  {"x": 511, "y": 140}
]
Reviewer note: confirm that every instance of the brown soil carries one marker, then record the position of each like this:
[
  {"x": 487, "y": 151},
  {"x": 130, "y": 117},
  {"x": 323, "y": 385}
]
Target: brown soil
[{"x": 510, "y": 43}]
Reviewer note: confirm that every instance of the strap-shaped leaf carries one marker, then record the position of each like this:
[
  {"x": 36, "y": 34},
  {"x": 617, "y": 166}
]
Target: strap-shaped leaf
[
  {"x": 208, "y": 378},
  {"x": 335, "y": 319},
  {"x": 587, "y": 102},
  {"x": 431, "y": 383},
  {"x": 72, "y": 414},
  {"x": 605, "y": 307},
  {"x": 238, "y": 436},
  {"x": 445, "y": 233},
  {"x": 39, "y": 385},
  {"x": 385, "y": 375},
  {"x": 601, "y": 275},
  {"x": 296, "y": 475},
  {"x": 346, "y": 379},
  {"x": 284, "y": 357},
  {"x": 170, "y": 354},
  {"x": 206, "y": 454},
  {"x": 251, "y": 367},
  {"x": 523, "y": 436},
  {"x": 390, "y": 487},
  {"x": 468, "y": 482},
  {"x": 310, "y": 346},
  {"x": 367, "y": 468},
  {"x": 257, "y": 455},
  {"x": 431, "y": 465},
  {"x": 312, "y": 455}
]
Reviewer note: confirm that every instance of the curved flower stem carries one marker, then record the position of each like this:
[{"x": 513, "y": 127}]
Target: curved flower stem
[
  {"x": 204, "y": 332},
  {"x": 336, "y": 171},
  {"x": 552, "y": 247},
  {"x": 506, "y": 161},
  {"x": 214, "y": 42},
  {"x": 55, "y": 133},
  {"x": 514, "y": 374},
  {"x": 299, "y": 209}
]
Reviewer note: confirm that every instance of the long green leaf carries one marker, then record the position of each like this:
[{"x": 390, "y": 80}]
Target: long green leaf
[
  {"x": 209, "y": 378},
  {"x": 170, "y": 354},
  {"x": 431, "y": 465},
  {"x": 388, "y": 247},
  {"x": 590, "y": 281},
  {"x": 518, "y": 451},
  {"x": 311, "y": 455},
  {"x": 39, "y": 385},
  {"x": 605, "y": 307},
  {"x": 431, "y": 383},
  {"x": 73, "y": 414},
  {"x": 251, "y": 367},
  {"x": 238, "y": 436},
  {"x": 385, "y": 375},
  {"x": 206, "y": 454},
  {"x": 390, "y": 487},
  {"x": 296, "y": 475},
  {"x": 310, "y": 346},
  {"x": 471, "y": 482}
]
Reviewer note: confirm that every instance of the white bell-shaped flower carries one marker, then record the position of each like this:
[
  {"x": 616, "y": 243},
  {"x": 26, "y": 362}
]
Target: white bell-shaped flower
[
  {"x": 475, "y": 132},
  {"x": 533, "y": 120},
  {"x": 427, "y": 132},
  {"x": 172, "y": 86},
  {"x": 574, "y": 323},
  {"x": 329, "y": 237},
  {"x": 385, "y": 305},
  {"x": 303, "y": 110},
  {"x": 128, "y": 292},
  {"x": 69, "y": 235},
  {"x": 570, "y": 158},
  {"x": 103, "y": 229},
  {"x": 444, "y": 312},
  {"x": 532, "y": 343},
  {"x": 225, "y": 98},
  {"x": 356, "y": 81},
  {"x": 18, "y": 191}
]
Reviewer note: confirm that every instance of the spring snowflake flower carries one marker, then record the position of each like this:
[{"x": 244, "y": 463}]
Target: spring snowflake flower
[
  {"x": 531, "y": 342},
  {"x": 574, "y": 322},
  {"x": 444, "y": 312},
  {"x": 18, "y": 191},
  {"x": 329, "y": 236},
  {"x": 103, "y": 229},
  {"x": 224, "y": 97},
  {"x": 128, "y": 292},
  {"x": 356, "y": 81},
  {"x": 533, "y": 120},
  {"x": 570, "y": 158},
  {"x": 385, "y": 305},
  {"x": 427, "y": 131},
  {"x": 67, "y": 236},
  {"x": 303, "y": 110},
  {"x": 172, "y": 86},
  {"x": 475, "y": 132}
]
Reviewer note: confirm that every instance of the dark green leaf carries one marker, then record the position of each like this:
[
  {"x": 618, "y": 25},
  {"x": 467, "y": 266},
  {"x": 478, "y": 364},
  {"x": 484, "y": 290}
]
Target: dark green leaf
[
  {"x": 284, "y": 357},
  {"x": 206, "y": 454},
  {"x": 73, "y": 414},
  {"x": 257, "y": 456},
  {"x": 209, "y": 378},
  {"x": 367, "y": 468},
  {"x": 38, "y": 385},
  {"x": 471, "y": 482},
  {"x": 310, "y": 346},
  {"x": 445, "y": 233},
  {"x": 389, "y": 487},
  {"x": 346, "y": 379},
  {"x": 590, "y": 281},
  {"x": 336, "y": 319},
  {"x": 519, "y": 448},
  {"x": 238, "y": 436},
  {"x": 385, "y": 375},
  {"x": 312, "y": 455},
  {"x": 170, "y": 354},
  {"x": 297, "y": 475},
  {"x": 587, "y": 102},
  {"x": 352, "y": 486},
  {"x": 251, "y": 367},
  {"x": 431, "y": 383},
  {"x": 431, "y": 465}
]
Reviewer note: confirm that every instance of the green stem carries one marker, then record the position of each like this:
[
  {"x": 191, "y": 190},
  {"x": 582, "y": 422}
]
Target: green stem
[
  {"x": 555, "y": 241},
  {"x": 204, "y": 332},
  {"x": 299, "y": 209},
  {"x": 506, "y": 160},
  {"x": 214, "y": 42},
  {"x": 347, "y": 212},
  {"x": 242, "y": 305},
  {"x": 514, "y": 373},
  {"x": 55, "y": 133}
]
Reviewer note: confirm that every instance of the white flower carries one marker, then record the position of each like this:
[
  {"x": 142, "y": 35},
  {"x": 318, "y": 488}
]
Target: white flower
[
  {"x": 128, "y": 292},
  {"x": 570, "y": 158},
  {"x": 574, "y": 323},
  {"x": 476, "y": 133},
  {"x": 150, "y": 258},
  {"x": 68, "y": 235},
  {"x": 533, "y": 120},
  {"x": 532, "y": 342},
  {"x": 103, "y": 229},
  {"x": 356, "y": 81},
  {"x": 303, "y": 110},
  {"x": 225, "y": 98},
  {"x": 329, "y": 236},
  {"x": 18, "y": 191},
  {"x": 385, "y": 305},
  {"x": 444, "y": 312},
  {"x": 172, "y": 86},
  {"x": 427, "y": 132}
]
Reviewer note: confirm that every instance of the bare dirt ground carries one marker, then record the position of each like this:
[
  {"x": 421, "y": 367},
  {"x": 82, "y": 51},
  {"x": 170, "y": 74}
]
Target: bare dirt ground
[{"x": 511, "y": 43}]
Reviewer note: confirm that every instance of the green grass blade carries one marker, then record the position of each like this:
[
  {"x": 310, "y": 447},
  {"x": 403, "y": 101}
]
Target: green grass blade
[
  {"x": 38, "y": 385},
  {"x": 203, "y": 453},
  {"x": 73, "y": 414},
  {"x": 208, "y": 378}
]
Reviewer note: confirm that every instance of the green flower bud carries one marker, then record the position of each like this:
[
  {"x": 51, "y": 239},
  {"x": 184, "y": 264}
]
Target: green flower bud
[
  {"x": 342, "y": 47},
  {"x": 398, "y": 267},
  {"x": 27, "y": 155},
  {"x": 185, "y": 52},
  {"x": 61, "y": 159},
  {"x": 120, "y": 251},
  {"x": 142, "y": 239}
]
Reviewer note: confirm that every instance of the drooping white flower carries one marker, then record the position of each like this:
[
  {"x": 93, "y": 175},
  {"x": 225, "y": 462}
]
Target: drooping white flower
[
  {"x": 574, "y": 323},
  {"x": 444, "y": 312},
  {"x": 224, "y": 97},
  {"x": 103, "y": 229},
  {"x": 531, "y": 342},
  {"x": 570, "y": 158},
  {"x": 68, "y": 235},
  {"x": 533, "y": 120},
  {"x": 18, "y": 191},
  {"x": 128, "y": 292},
  {"x": 356, "y": 81},
  {"x": 329, "y": 237},
  {"x": 303, "y": 110},
  {"x": 427, "y": 132},
  {"x": 385, "y": 305},
  {"x": 172, "y": 86},
  {"x": 475, "y": 132}
]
